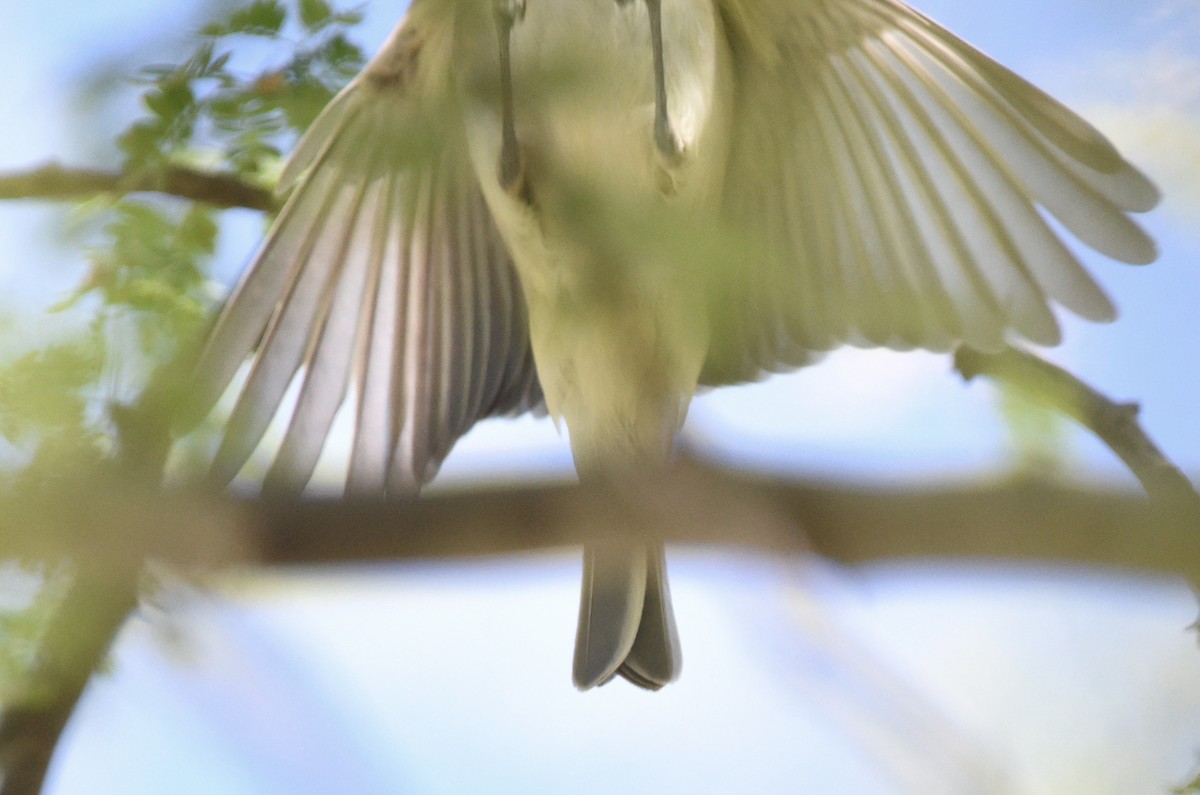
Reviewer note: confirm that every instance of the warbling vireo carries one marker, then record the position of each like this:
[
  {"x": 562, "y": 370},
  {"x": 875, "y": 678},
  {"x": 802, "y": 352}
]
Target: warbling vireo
[{"x": 596, "y": 206}]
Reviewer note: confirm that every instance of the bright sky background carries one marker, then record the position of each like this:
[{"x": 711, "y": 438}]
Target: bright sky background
[{"x": 1005, "y": 668}]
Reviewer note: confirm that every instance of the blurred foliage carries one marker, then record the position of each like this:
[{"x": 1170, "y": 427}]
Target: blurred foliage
[
  {"x": 205, "y": 104},
  {"x": 145, "y": 296},
  {"x": 23, "y": 625},
  {"x": 1040, "y": 436},
  {"x": 145, "y": 293},
  {"x": 47, "y": 411}
]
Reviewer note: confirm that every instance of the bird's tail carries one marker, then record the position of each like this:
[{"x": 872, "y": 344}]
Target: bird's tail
[{"x": 626, "y": 625}]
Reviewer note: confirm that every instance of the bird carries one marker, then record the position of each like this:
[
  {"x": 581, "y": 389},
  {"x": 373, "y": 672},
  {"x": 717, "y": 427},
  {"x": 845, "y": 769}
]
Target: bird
[{"x": 594, "y": 208}]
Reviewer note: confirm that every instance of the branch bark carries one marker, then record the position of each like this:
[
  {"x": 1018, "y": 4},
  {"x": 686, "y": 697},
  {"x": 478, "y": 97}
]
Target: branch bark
[
  {"x": 1025, "y": 520},
  {"x": 54, "y": 182}
]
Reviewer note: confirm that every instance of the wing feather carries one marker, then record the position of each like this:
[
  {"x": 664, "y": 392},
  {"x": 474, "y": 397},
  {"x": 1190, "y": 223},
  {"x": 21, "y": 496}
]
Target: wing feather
[
  {"x": 383, "y": 277},
  {"x": 1050, "y": 263},
  {"x": 283, "y": 345},
  {"x": 375, "y": 358},
  {"x": 899, "y": 181},
  {"x": 327, "y": 365},
  {"x": 915, "y": 283},
  {"x": 988, "y": 256}
]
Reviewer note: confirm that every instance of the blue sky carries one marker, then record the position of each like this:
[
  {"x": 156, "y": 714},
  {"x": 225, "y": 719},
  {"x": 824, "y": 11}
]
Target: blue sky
[{"x": 886, "y": 680}]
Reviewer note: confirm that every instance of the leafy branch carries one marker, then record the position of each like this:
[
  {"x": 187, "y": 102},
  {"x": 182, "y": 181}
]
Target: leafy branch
[{"x": 211, "y": 136}]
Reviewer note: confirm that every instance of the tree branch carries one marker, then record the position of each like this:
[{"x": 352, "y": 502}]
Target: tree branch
[
  {"x": 1115, "y": 423},
  {"x": 696, "y": 504},
  {"x": 76, "y": 642},
  {"x": 110, "y": 522},
  {"x": 54, "y": 182}
]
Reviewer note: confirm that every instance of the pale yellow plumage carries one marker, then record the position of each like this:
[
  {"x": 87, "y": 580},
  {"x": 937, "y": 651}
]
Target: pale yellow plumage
[{"x": 838, "y": 171}]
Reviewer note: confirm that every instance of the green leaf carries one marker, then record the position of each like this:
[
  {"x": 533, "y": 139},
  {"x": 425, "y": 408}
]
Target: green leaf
[
  {"x": 171, "y": 100},
  {"x": 197, "y": 233},
  {"x": 260, "y": 18},
  {"x": 315, "y": 14},
  {"x": 342, "y": 55},
  {"x": 141, "y": 143}
]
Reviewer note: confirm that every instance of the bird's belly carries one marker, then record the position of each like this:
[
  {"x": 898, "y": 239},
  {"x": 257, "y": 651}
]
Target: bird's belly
[{"x": 617, "y": 329}]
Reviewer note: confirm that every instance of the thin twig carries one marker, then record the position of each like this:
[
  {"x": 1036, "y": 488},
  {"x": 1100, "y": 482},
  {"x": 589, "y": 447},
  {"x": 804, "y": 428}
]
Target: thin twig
[
  {"x": 52, "y": 181},
  {"x": 1115, "y": 423}
]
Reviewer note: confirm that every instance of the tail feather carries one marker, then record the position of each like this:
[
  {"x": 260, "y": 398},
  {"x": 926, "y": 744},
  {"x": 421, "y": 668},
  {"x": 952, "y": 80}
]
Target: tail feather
[
  {"x": 655, "y": 658},
  {"x": 626, "y": 625}
]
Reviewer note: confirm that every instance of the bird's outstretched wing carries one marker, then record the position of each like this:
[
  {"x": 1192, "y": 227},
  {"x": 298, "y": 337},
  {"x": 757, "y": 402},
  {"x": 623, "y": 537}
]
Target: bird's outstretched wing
[
  {"x": 896, "y": 181},
  {"x": 383, "y": 278}
]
